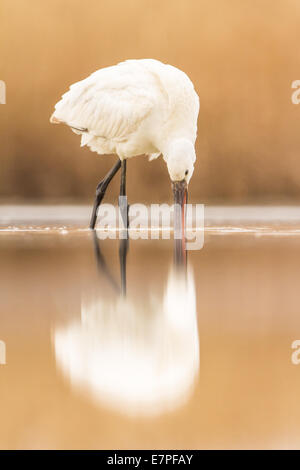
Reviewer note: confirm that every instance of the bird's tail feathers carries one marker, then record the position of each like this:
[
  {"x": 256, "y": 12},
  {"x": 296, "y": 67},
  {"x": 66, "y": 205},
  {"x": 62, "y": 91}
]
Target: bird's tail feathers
[{"x": 54, "y": 120}]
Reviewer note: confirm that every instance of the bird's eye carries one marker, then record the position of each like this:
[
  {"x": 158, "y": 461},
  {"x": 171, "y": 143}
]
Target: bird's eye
[{"x": 186, "y": 172}]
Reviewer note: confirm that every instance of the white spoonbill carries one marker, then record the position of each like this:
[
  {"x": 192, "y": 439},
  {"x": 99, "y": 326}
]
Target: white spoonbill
[{"x": 136, "y": 107}]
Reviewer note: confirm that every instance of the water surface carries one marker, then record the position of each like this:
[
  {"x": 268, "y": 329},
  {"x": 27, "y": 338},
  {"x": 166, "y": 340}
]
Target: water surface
[{"x": 193, "y": 358}]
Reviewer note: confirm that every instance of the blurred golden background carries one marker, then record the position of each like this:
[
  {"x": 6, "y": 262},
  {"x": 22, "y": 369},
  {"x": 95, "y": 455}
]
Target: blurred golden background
[{"x": 241, "y": 55}]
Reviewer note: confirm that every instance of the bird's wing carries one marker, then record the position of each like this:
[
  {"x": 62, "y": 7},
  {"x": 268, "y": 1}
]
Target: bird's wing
[{"x": 111, "y": 103}]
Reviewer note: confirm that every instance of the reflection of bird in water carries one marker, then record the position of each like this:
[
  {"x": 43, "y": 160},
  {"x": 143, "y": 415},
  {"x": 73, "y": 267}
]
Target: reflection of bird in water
[{"x": 139, "y": 355}]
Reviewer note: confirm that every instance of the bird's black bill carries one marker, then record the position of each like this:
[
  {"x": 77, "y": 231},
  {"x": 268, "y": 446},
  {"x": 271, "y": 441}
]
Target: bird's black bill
[
  {"x": 180, "y": 200},
  {"x": 180, "y": 192}
]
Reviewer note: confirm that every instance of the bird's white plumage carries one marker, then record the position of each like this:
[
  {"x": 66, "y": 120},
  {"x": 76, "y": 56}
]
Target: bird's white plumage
[{"x": 135, "y": 107}]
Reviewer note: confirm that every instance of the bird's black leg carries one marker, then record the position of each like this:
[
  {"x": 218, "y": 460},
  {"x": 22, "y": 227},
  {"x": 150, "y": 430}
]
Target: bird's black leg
[
  {"x": 123, "y": 198},
  {"x": 101, "y": 263},
  {"x": 123, "y": 179},
  {"x": 124, "y": 243},
  {"x": 100, "y": 191},
  {"x": 123, "y": 250}
]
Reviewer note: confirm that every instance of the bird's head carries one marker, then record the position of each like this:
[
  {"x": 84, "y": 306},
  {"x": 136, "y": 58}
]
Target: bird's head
[{"x": 180, "y": 157}]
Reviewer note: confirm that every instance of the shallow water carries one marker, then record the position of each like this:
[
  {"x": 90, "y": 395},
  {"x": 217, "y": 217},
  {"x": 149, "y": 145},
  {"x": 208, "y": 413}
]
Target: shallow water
[{"x": 193, "y": 358}]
